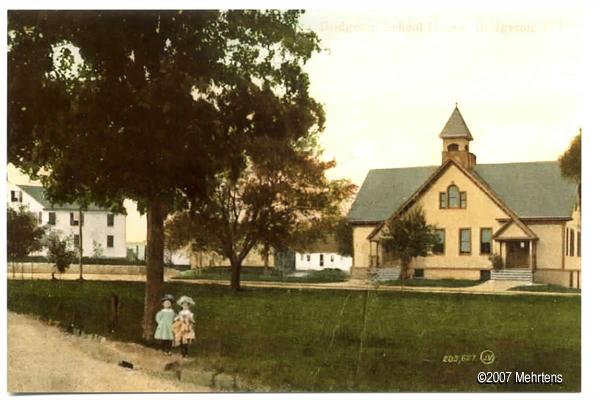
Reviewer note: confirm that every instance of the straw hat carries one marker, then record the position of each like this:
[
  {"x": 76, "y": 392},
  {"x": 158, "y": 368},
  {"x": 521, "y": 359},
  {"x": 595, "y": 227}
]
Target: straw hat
[
  {"x": 185, "y": 299},
  {"x": 169, "y": 297}
]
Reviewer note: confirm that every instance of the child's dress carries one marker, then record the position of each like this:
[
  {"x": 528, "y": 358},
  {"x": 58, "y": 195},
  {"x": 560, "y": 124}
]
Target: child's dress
[
  {"x": 184, "y": 328},
  {"x": 164, "y": 319}
]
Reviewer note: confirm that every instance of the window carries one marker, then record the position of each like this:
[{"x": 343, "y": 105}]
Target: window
[
  {"x": 321, "y": 260},
  {"x": 486, "y": 241},
  {"x": 438, "y": 248},
  {"x": 110, "y": 241},
  {"x": 578, "y": 243},
  {"x": 567, "y": 241},
  {"x": 76, "y": 241},
  {"x": 463, "y": 199},
  {"x": 51, "y": 218},
  {"x": 571, "y": 242},
  {"x": 453, "y": 147},
  {"x": 331, "y": 258},
  {"x": 452, "y": 196},
  {"x": 16, "y": 195},
  {"x": 465, "y": 240},
  {"x": 443, "y": 200},
  {"x": 110, "y": 220},
  {"x": 419, "y": 273},
  {"x": 308, "y": 257},
  {"x": 40, "y": 218},
  {"x": 74, "y": 219}
]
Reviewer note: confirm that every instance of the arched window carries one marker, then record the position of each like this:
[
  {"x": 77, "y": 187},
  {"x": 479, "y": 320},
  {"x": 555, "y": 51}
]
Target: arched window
[
  {"x": 453, "y": 194},
  {"x": 453, "y": 147},
  {"x": 453, "y": 198}
]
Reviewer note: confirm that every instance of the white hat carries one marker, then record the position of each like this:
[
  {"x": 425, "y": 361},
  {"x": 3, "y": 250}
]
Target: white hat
[{"x": 185, "y": 299}]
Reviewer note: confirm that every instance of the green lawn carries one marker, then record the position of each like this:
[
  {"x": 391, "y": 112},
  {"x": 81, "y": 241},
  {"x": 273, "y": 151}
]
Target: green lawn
[
  {"x": 257, "y": 274},
  {"x": 545, "y": 288},
  {"x": 432, "y": 282},
  {"x": 309, "y": 340}
]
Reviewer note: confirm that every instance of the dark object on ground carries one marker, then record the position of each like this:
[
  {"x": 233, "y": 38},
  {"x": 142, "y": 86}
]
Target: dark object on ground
[{"x": 125, "y": 364}]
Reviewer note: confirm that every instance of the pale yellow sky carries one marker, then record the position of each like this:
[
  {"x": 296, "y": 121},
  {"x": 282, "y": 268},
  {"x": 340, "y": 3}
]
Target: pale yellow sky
[{"x": 389, "y": 79}]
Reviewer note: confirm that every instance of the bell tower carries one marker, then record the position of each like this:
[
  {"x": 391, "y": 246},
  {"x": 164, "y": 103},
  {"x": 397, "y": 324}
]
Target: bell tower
[{"x": 455, "y": 140}]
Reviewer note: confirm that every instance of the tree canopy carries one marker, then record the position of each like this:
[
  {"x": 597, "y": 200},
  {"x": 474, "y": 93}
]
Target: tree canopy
[
  {"x": 152, "y": 105},
  {"x": 23, "y": 234},
  {"x": 570, "y": 161}
]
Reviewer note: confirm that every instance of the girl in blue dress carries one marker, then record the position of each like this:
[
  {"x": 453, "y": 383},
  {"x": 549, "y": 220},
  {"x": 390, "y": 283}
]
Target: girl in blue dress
[{"x": 164, "y": 318}]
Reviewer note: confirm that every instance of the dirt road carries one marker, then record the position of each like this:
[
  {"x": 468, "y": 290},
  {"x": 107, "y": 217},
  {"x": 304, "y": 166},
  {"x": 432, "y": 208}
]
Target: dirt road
[{"x": 42, "y": 358}]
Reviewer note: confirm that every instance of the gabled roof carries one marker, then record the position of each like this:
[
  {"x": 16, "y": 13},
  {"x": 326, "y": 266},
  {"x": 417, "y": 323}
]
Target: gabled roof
[
  {"x": 37, "y": 192},
  {"x": 456, "y": 127},
  {"x": 384, "y": 190},
  {"x": 533, "y": 189}
]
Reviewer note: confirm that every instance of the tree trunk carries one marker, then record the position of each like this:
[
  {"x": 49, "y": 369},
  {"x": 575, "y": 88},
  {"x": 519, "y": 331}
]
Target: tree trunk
[
  {"x": 80, "y": 245},
  {"x": 236, "y": 271},
  {"x": 155, "y": 247},
  {"x": 266, "y": 260}
]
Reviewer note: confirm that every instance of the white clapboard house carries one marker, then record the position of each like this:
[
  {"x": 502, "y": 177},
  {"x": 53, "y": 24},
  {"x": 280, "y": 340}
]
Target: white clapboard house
[
  {"x": 103, "y": 231},
  {"x": 320, "y": 255}
]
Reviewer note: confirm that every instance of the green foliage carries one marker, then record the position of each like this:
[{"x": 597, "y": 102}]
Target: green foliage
[
  {"x": 23, "y": 235},
  {"x": 409, "y": 236},
  {"x": 281, "y": 198},
  {"x": 98, "y": 251},
  {"x": 344, "y": 237},
  {"x": 570, "y": 161},
  {"x": 497, "y": 262},
  {"x": 308, "y": 340},
  {"x": 59, "y": 253}
]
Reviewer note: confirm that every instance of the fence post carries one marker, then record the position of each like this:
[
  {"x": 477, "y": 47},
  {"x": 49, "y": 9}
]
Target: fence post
[{"x": 114, "y": 311}]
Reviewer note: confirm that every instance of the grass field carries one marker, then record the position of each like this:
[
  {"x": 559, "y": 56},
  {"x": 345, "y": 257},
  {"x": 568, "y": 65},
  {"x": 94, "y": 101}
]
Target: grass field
[
  {"x": 313, "y": 340},
  {"x": 257, "y": 274},
  {"x": 432, "y": 282},
  {"x": 545, "y": 288}
]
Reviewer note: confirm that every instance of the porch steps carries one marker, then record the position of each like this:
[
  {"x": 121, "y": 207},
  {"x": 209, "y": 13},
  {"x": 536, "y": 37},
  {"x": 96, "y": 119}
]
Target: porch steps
[
  {"x": 384, "y": 274},
  {"x": 513, "y": 274}
]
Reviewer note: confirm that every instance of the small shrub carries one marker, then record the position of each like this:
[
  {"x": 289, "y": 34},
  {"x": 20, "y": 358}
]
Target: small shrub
[{"x": 497, "y": 262}]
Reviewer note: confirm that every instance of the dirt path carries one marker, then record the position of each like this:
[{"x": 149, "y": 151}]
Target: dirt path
[{"x": 42, "y": 358}]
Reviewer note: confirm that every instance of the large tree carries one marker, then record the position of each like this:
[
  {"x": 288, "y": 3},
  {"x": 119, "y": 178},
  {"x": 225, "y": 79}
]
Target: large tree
[
  {"x": 408, "y": 236},
  {"x": 151, "y": 105},
  {"x": 280, "y": 198}
]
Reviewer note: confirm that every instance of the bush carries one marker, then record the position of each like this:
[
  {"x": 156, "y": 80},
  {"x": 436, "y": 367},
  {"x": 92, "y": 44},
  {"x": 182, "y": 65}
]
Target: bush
[{"x": 496, "y": 261}]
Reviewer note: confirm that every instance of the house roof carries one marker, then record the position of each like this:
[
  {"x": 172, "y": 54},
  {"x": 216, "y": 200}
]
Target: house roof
[
  {"x": 37, "y": 192},
  {"x": 456, "y": 127},
  {"x": 534, "y": 189}
]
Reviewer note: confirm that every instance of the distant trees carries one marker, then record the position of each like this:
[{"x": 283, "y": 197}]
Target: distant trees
[
  {"x": 343, "y": 236},
  {"x": 409, "y": 236},
  {"x": 155, "y": 106},
  {"x": 23, "y": 234},
  {"x": 570, "y": 161}
]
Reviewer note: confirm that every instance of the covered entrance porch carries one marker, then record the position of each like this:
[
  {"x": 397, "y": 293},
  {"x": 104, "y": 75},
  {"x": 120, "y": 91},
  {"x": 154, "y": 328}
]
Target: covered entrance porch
[{"x": 518, "y": 253}]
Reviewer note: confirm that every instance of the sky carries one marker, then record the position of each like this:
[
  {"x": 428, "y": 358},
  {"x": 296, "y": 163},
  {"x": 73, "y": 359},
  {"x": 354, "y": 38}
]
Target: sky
[{"x": 389, "y": 80}]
